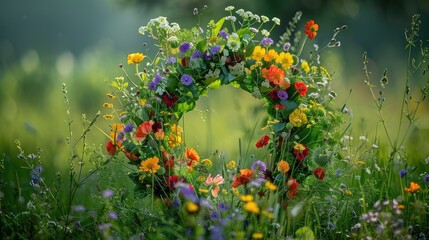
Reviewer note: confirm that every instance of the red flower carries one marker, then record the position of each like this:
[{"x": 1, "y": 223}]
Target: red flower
[
  {"x": 301, "y": 88},
  {"x": 263, "y": 141},
  {"x": 300, "y": 151},
  {"x": 292, "y": 185},
  {"x": 143, "y": 130},
  {"x": 169, "y": 99},
  {"x": 184, "y": 61},
  {"x": 168, "y": 161},
  {"x": 111, "y": 148},
  {"x": 245, "y": 177},
  {"x": 311, "y": 29},
  {"x": 319, "y": 173},
  {"x": 172, "y": 180},
  {"x": 275, "y": 75},
  {"x": 279, "y": 107},
  {"x": 273, "y": 95}
]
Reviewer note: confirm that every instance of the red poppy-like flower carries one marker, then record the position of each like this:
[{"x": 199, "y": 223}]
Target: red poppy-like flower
[
  {"x": 311, "y": 29},
  {"x": 279, "y": 107},
  {"x": 263, "y": 141},
  {"x": 244, "y": 177},
  {"x": 168, "y": 161},
  {"x": 169, "y": 99},
  {"x": 292, "y": 185},
  {"x": 319, "y": 173},
  {"x": 275, "y": 75},
  {"x": 143, "y": 130},
  {"x": 111, "y": 148},
  {"x": 300, "y": 151},
  {"x": 172, "y": 180},
  {"x": 301, "y": 88},
  {"x": 273, "y": 95}
]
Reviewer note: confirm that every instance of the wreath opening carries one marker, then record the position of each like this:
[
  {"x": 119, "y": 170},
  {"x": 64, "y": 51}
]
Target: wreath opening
[{"x": 301, "y": 137}]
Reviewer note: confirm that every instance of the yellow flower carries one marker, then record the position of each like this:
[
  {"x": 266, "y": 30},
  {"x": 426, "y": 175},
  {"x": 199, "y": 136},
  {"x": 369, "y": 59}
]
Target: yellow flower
[
  {"x": 201, "y": 178},
  {"x": 401, "y": 207},
  {"x": 246, "y": 198},
  {"x": 258, "y": 53},
  {"x": 235, "y": 191},
  {"x": 207, "y": 162},
  {"x": 150, "y": 165},
  {"x": 267, "y": 214},
  {"x": 347, "y": 192},
  {"x": 108, "y": 116},
  {"x": 142, "y": 102},
  {"x": 298, "y": 117},
  {"x": 270, "y": 185},
  {"x": 360, "y": 162},
  {"x": 111, "y": 96},
  {"x": 107, "y": 105},
  {"x": 414, "y": 187},
  {"x": 231, "y": 164},
  {"x": 305, "y": 67},
  {"x": 257, "y": 235},
  {"x": 283, "y": 166},
  {"x": 192, "y": 207},
  {"x": 202, "y": 190},
  {"x": 271, "y": 55},
  {"x": 135, "y": 58},
  {"x": 174, "y": 139},
  {"x": 251, "y": 207},
  {"x": 116, "y": 129},
  {"x": 285, "y": 59}
]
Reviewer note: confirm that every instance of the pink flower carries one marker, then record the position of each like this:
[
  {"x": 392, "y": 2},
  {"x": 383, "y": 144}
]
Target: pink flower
[{"x": 216, "y": 181}]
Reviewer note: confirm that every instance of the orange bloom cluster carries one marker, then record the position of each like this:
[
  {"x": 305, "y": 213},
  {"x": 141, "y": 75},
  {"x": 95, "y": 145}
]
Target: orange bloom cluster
[
  {"x": 311, "y": 29},
  {"x": 244, "y": 177},
  {"x": 414, "y": 187},
  {"x": 275, "y": 75}
]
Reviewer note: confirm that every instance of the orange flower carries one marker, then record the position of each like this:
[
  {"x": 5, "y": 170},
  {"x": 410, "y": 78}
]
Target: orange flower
[
  {"x": 311, "y": 29},
  {"x": 283, "y": 166},
  {"x": 414, "y": 187},
  {"x": 191, "y": 156},
  {"x": 143, "y": 130},
  {"x": 216, "y": 181},
  {"x": 245, "y": 177},
  {"x": 135, "y": 58},
  {"x": 275, "y": 75},
  {"x": 150, "y": 165}
]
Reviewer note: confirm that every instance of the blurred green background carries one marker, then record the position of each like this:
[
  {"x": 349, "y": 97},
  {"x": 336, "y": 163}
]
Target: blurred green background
[{"x": 44, "y": 43}]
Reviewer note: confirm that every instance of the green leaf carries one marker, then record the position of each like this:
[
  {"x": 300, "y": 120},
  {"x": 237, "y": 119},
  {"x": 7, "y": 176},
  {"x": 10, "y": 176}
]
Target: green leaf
[
  {"x": 304, "y": 233},
  {"x": 185, "y": 106},
  {"x": 218, "y": 26},
  {"x": 243, "y": 32},
  {"x": 202, "y": 45},
  {"x": 172, "y": 83},
  {"x": 278, "y": 127},
  {"x": 215, "y": 84}
]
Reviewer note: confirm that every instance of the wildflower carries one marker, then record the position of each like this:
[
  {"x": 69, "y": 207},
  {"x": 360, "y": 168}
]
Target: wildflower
[
  {"x": 231, "y": 164},
  {"x": 301, "y": 88},
  {"x": 111, "y": 96},
  {"x": 279, "y": 107},
  {"x": 282, "y": 94},
  {"x": 283, "y": 166},
  {"x": 216, "y": 181},
  {"x": 331, "y": 226},
  {"x": 402, "y": 173},
  {"x": 107, "y": 105},
  {"x": 285, "y": 59},
  {"x": 111, "y": 148},
  {"x": 223, "y": 207},
  {"x": 112, "y": 215},
  {"x": 192, "y": 207},
  {"x": 259, "y": 166},
  {"x": 108, "y": 193},
  {"x": 191, "y": 156},
  {"x": 135, "y": 58},
  {"x": 202, "y": 190},
  {"x": 263, "y": 141},
  {"x": 246, "y": 198},
  {"x": 298, "y": 117},
  {"x": 426, "y": 178},
  {"x": 186, "y": 79},
  {"x": 207, "y": 162},
  {"x": 229, "y": 8},
  {"x": 108, "y": 116},
  {"x": 414, "y": 187},
  {"x": 319, "y": 173},
  {"x": 300, "y": 151},
  {"x": 305, "y": 67},
  {"x": 271, "y": 55},
  {"x": 223, "y": 34},
  {"x": 197, "y": 54},
  {"x": 244, "y": 177},
  {"x": 128, "y": 128},
  {"x": 270, "y": 186},
  {"x": 215, "y": 49},
  {"x": 258, "y": 53},
  {"x": 275, "y": 75},
  {"x": 266, "y": 41},
  {"x": 143, "y": 130},
  {"x": 234, "y": 43},
  {"x": 184, "y": 47},
  {"x": 347, "y": 192},
  {"x": 292, "y": 185},
  {"x": 311, "y": 29},
  {"x": 286, "y": 46},
  {"x": 251, "y": 207},
  {"x": 276, "y": 20},
  {"x": 150, "y": 165},
  {"x": 257, "y": 235}
]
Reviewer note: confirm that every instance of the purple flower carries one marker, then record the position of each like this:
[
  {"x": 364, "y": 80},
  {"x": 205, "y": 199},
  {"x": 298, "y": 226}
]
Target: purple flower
[
  {"x": 186, "y": 79},
  {"x": 331, "y": 226},
  {"x": 426, "y": 178},
  {"x": 207, "y": 56},
  {"x": 196, "y": 55},
  {"x": 128, "y": 128},
  {"x": 282, "y": 94},
  {"x": 267, "y": 41},
  {"x": 187, "y": 191},
  {"x": 216, "y": 232},
  {"x": 260, "y": 166},
  {"x": 223, "y": 34},
  {"x": 286, "y": 47},
  {"x": 171, "y": 60},
  {"x": 36, "y": 176},
  {"x": 223, "y": 207},
  {"x": 402, "y": 173},
  {"x": 215, "y": 49},
  {"x": 108, "y": 193},
  {"x": 184, "y": 47},
  {"x": 112, "y": 215},
  {"x": 214, "y": 216},
  {"x": 152, "y": 84}
]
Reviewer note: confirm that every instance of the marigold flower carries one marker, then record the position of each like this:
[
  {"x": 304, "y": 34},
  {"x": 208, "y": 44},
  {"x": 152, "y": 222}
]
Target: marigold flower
[
  {"x": 231, "y": 164},
  {"x": 283, "y": 166},
  {"x": 414, "y": 187},
  {"x": 251, "y": 207},
  {"x": 319, "y": 173},
  {"x": 150, "y": 165},
  {"x": 246, "y": 198},
  {"x": 285, "y": 59},
  {"x": 263, "y": 141},
  {"x": 305, "y": 66},
  {"x": 258, "y": 53},
  {"x": 300, "y": 151},
  {"x": 298, "y": 117},
  {"x": 311, "y": 29},
  {"x": 191, "y": 156},
  {"x": 275, "y": 75},
  {"x": 244, "y": 177},
  {"x": 270, "y": 186},
  {"x": 135, "y": 58},
  {"x": 301, "y": 88},
  {"x": 117, "y": 128},
  {"x": 271, "y": 55},
  {"x": 192, "y": 207},
  {"x": 143, "y": 130}
]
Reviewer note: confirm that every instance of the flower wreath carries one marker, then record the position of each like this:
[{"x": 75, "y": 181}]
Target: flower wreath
[{"x": 238, "y": 51}]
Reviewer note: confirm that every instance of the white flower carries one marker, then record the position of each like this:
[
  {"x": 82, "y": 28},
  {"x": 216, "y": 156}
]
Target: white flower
[
  {"x": 265, "y": 83},
  {"x": 254, "y": 30},
  {"x": 265, "y": 33},
  {"x": 347, "y": 137},
  {"x": 374, "y": 146},
  {"x": 231, "y": 18},
  {"x": 313, "y": 95},
  {"x": 240, "y": 12},
  {"x": 229, "y": 8},
  {"x": 276, "y": 20},
  {"x": 363, "y": 138},
  {"x": 142, "y": 30},
  {"x": 257, "y": 18},
  {"x": 264, "y": 19}
]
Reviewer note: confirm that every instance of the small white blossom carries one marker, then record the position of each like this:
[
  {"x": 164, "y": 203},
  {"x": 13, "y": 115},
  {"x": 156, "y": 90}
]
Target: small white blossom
[
  {"x": 374, "y": 146},
  {"x": 241, "y": 13},
  {"x": 347, "y": 137},
  {"x": 231, "y": 18},
  {"x": 276, "y": 20},
  {"x": 264, "y": 19},
  {"x": 254, "y": 30},
  {"x": 363, "y": 138},
  {"x": 229, "y": 8},
  {"x": 143, "y": 29},
  {"x": 265, "y": 33},
  {"x": 265, "y": 83},
  {"x": 257, "y": 18},
  {"x": 313, "y": 95}
]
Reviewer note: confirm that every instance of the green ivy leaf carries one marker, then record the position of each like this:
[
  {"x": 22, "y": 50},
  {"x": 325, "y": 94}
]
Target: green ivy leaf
[{"x": 278, "y": 127}]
